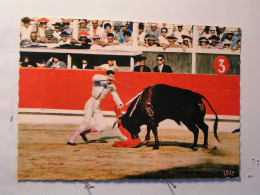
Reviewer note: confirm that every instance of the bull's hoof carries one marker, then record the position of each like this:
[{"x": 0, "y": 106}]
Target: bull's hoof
[
  {"x": 155, "y": 147},
  {"x": 146, "y": 142},
  {"x": 205, "y": 146},
  {"x": 195, "y": 148}
]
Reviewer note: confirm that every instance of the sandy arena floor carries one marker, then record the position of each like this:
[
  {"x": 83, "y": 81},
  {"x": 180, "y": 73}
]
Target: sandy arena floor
[{"x": 44, "y": 155}]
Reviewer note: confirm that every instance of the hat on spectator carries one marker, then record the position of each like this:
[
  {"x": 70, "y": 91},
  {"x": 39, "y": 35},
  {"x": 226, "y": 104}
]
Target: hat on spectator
[
  {"x": 151, "y": 37},
  {"x": 220, "y": 27},
  {"x": 179, "y": 25},
  {"x": 82, "y": 21},
  {"x": 96, "y": 37},
  {"x": 201, "y": 38},
  {"x": 124, "y": 24},
  {"x": 229, "y": 32},
  {"x": 64, "y": 34},
  {"x": 141, "y": 58},
  {"x": 43, "y": 20},
  {"x": 65, "y": 21},
  {"x": 83, "y": 34},
  {"x": 26, "y": 20},
  {"x": 212, "y": 28},
  {"x": 214, "y": 37},
  {"x": 227, "y": 42},
  {"x": 153, "y": 24},
  {"x": 186, "y": 36},
  {"x": 57, "y": 24},
  {"x": 171, "y": 37},
  {"x": 48, "y": 32}
]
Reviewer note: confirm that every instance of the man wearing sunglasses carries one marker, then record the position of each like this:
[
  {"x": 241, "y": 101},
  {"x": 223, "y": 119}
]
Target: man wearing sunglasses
[{"x": 161, "y": 67}]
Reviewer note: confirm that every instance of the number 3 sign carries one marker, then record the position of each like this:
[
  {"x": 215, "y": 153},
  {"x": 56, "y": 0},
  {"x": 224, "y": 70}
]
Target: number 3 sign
[{"x": 221, "y": 65}]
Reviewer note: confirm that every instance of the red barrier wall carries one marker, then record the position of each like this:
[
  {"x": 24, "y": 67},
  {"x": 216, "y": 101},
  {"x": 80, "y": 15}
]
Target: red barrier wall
[{"x": 70, "y": 89}]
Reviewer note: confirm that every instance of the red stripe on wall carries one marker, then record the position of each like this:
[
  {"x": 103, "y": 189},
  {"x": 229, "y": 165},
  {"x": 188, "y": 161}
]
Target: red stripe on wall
[{"x": 70, "y": 89}]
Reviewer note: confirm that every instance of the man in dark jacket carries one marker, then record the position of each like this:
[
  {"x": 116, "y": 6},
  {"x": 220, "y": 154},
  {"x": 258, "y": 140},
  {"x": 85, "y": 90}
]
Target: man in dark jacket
[
  {"x": 161, "y": 66},
  {"x": 141, "y": 67}
]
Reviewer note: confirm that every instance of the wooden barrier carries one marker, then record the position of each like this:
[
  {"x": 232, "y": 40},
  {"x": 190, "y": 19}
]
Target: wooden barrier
[{"x": 70, "y": 89}]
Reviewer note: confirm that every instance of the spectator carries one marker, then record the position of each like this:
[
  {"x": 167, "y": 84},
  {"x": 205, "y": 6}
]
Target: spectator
[
  {"x": 55, "y": 63},
  {"x": 141, "y": 34},
  {"x": 26, "y": 29},
  {"x": 212, "y": 31},
  {"x": 28, "y": 63},
  {"x": 96, "y": 42},
  {"x": 214, "y": 43},
  {"x": 124, "y": 27},
  {"x": 151, "y": 41},
  {"x": 238, "y": 47},
  {"x": 49, "y": 38},
  {"x": 111, "y": 40},
  {"x": 84, "y": 65},
  {"x": 221, "y": 33},
  {"x": 65, "y": 27},
  {"x": 187, "y": 42},
  {"x": 111, "y": 65},
  {"x": 42, "y": 27},
  {"x": 128, "y": 39},
  {"x": 95, "y": 29},
  {"x": 142, "y": 67},
  {"x": 84, "y": 42},
  {"x": 108, "y": 29},
  {"x": 83, "y": 26},
  {"x": 154, "y": 30},
  {"x": 203, "y": 43},
  {"x": 173, "y": 41},
  {"x": 64, "y": 39},
  {"x": 57, "y": 30},
  {"x": 163, "y": 41},
  {"x": 180, "y": 32},
  {"x": 161, "y": 67},
  {"x": 231, "y": 37},
  {"x": 226, "y": 44},
  {"x": 32, "y": 42}
]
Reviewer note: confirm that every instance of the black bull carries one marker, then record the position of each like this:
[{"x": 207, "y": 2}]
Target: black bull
[{"x": 160, "y": 102}]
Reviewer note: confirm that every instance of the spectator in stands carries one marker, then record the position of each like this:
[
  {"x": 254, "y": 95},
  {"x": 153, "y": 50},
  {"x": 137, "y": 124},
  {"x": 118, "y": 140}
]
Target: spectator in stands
[
  {"x": 95, "y": 29},
  {"x": 42, "y": 23},
  {"x": 111, "y": 65},
  {"x": 27, "y": 63},
  {"x": 187, "y": 42},
  {"x": 173, "y": 42},
  {"x": 26, "y": 29},
  {"x": 64, "y": 39},
  {"x": 65, "y": 27},
  {"x": 128, "y": 38},
  {"x": 238, "y": 47},
  {"x": 203, "y": 43},
  {"x": 205, "y": 32},
  {"x": 84, "y": 65},
  {"x": 124, "y": 27},
  {"x": 231, "y": 37},
  {"x": 84, "y": 42},
  {"x": 214, "y": 43},
  {"x": 221, "y": 33},
  {"x": 151, "y": 41},
  {"x": 111, "y": 40},
  {"x": 163, "y": 41},
  {"x": 142, "y": 67},
  {"x": 141, "y": 34},
  {"x": 55, "y": 63},
  {"x": 108, "y": 29},
  {"x": 180, "y": 32},
  {"x": 49, "y": 38},
  {"x": 57, "y": 30},
  {"x": 97, "y": 43},
  {"x": 226, "y": 44},
  {"x": 212, "y": 31},
  {"x": 83, "y": 26},
  {"x": 32, "y": 42},
  {"x": 161, "y": 67},
  {"x": 154, "y": 30}
]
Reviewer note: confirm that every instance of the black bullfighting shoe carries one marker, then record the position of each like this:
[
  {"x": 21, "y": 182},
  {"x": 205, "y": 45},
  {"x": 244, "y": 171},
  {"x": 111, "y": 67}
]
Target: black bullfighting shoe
[
  {"x": 71, "y": 144},
  {"x": 84, "y": 137}
]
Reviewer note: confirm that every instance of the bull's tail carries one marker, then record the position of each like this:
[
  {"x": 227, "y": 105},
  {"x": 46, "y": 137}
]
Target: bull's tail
[{"x": 216, "y": 120}]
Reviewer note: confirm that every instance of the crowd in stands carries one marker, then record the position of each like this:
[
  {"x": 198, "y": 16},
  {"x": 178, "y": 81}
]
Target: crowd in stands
[{"x": 86, "y": 34}]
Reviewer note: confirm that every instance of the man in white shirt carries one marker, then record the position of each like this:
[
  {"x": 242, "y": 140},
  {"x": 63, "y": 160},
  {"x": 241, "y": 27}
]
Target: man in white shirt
[
  {"x": 102, "y": 85},
  {"x": 111, "y": 65}
]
